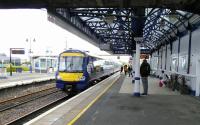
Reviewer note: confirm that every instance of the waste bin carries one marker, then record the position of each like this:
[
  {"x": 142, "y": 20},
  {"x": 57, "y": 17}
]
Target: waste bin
[
  {"x": 19, "y": 70},
  {"x": 30, "y": 69},
  {"x": 3, "y": 72}
]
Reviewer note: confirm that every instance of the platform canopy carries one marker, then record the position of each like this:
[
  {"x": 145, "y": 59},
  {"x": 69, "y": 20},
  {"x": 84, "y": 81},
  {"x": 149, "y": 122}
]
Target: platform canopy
[
  {"x": 116, "y": 29},
  {"x": 115, "y": 24}
]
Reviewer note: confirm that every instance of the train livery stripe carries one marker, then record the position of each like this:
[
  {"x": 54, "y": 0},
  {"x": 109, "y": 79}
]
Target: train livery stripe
[
  {"x": 72, "y": 54},
  {"x": 91, "y": 103},
  {"x": 70, "y": 77}
]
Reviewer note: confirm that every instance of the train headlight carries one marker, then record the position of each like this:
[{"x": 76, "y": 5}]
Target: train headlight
[{"x": 82, "y": 78}]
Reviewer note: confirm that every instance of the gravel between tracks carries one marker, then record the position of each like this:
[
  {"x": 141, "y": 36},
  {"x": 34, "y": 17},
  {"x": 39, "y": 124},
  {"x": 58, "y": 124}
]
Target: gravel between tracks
[
  {"x": 23, "y": 99},
  {"x": 17, "y": 91},
  {"x": 26, "y": 108}
]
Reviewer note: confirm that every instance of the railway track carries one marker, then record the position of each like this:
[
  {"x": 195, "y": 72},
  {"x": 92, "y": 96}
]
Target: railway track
[
  {"x": 21, "y": 109},
  {"x": 14, "y": 110},
  {"x": 13, "y": 102},
  {"x": 21, "y": 90}
]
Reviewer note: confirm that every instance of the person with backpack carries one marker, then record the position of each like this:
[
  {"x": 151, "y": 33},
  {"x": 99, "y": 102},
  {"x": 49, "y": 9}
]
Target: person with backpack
[{"x": 145, "y": 72}]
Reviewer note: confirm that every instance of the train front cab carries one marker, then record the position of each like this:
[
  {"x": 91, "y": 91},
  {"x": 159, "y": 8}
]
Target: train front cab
[{"x": 71, "y": 73}]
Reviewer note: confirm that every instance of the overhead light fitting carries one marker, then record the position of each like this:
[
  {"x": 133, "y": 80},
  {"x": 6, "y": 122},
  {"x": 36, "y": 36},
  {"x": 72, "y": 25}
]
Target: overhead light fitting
[{"x": 109, "y": 19}]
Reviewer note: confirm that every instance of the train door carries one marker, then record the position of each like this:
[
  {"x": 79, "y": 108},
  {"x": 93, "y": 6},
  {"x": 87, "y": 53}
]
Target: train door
[{"x": 90, "y": 66}]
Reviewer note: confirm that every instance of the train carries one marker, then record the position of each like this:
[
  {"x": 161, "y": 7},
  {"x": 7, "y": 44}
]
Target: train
[{"x": 77, "y": 70}]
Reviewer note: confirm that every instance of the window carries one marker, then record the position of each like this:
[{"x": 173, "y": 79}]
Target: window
[
  {"x": 71, "y": 64},
  {"x": 36, "y": 64},
  {"x": 154, "y": 63},
  {"x": 43, "y": 63},
  {"x": 174, "y": 63},
  {"x": 183, "y": 63}
]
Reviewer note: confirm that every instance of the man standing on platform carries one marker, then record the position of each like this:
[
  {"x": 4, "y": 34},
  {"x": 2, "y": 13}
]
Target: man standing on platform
[{"x": 145, "y": 72}]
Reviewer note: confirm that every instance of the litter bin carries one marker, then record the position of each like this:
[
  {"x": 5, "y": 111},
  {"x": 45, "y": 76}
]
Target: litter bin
[
  {"x": 19, "y": 70},
  {"x": 3, "y": 72},
  {"x": 30, "y": 69}
]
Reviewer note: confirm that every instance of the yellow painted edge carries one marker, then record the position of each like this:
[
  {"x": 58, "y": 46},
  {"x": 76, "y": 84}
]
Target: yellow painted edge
[
  {"x": 90, "y": 104},
  {"x": 72, "y": 54}
]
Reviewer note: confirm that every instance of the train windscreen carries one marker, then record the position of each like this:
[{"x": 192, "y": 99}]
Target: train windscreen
[{"x": 71, "y": 64}]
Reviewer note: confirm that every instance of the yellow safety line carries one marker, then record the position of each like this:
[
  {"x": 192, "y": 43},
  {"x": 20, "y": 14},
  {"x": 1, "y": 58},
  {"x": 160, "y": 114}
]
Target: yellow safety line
[{"x": 90, "y": 104}]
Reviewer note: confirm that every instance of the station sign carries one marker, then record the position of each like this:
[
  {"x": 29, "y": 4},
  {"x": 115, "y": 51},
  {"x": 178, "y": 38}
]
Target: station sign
[
  {"x": 138, "y": 39},
  {"x": 145, "y": 51},
  {"x": 17, "y": 51},
  {"x": 144, "y": 56},
  {"x": 121, "y": 52}
]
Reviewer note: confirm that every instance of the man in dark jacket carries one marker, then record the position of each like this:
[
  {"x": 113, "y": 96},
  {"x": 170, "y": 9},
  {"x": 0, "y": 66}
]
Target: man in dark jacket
[
  {"x": 145, "y": 72},
  {"x": 130, "y": 71}
]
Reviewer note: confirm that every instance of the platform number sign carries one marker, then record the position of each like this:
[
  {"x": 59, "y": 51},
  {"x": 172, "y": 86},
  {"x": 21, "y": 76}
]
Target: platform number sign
[{"x": 17, "y": 51}]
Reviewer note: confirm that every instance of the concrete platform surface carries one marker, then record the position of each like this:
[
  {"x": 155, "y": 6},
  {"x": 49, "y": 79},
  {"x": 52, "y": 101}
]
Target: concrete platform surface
[
  {"x": 67, "y": 111},
  {"x": 128, "y": 87},
  {"x": 118, "y": 107},
  {"x": 24, "y": 78}
]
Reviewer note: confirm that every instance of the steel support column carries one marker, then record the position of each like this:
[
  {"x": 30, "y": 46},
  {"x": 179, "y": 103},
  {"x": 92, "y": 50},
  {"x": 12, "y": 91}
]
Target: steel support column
[
  {"x": 158, "y": 59},
  {"x": 189, "y": 51},
  {"x": 161, "y": 58},
  {"x": 133, "y": 67},
  {"x": 137, "y": 28},
  {"x": 137, "y": 70},
  {"x": 171, "y": 47},
  {"x": 179, "y": 43},
  {"x": 166, "y": 57}
]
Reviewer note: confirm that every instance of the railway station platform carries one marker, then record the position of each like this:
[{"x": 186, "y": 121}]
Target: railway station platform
[
  {"x": 24, "y": 78},
  {"x": 111, "y": 102}
]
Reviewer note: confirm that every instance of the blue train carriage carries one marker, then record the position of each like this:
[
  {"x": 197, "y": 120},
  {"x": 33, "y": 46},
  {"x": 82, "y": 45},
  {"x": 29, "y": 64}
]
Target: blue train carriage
[
  {"x": 108, "y": 67},
  {"x": 72, "y": 70},
  {"x": 76, "y": 70}
]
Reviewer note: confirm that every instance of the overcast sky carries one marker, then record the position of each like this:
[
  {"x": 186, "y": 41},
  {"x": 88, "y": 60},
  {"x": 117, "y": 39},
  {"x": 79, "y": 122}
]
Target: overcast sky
[{"x": 18, "y": 25}]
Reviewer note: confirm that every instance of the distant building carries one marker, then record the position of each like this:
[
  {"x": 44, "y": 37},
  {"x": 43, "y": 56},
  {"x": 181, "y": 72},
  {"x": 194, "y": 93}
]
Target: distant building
[
  {"x": 5, "y": 60},
  {"x": 44, "y": 64}
]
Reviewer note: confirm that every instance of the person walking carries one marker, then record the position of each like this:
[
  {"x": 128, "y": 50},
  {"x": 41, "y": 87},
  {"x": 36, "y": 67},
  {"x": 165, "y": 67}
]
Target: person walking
[
  {"x": 130, "y": 71},
  {"x": 125, "y": 69},
  {"x": 145, "y": 72},
  {"x": 121, "y": 70}
]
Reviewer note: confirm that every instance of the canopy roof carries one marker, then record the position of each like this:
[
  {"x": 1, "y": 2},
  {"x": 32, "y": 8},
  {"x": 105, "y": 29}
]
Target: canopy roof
[{"x": 113, "y": 24}]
